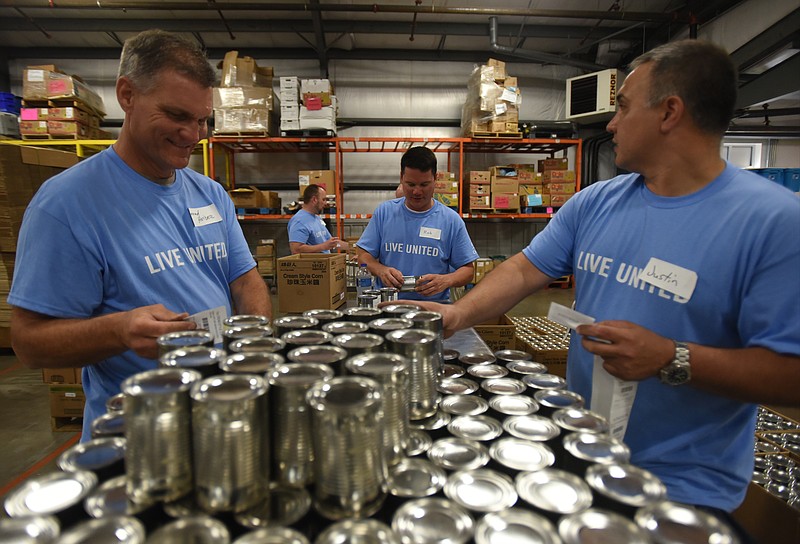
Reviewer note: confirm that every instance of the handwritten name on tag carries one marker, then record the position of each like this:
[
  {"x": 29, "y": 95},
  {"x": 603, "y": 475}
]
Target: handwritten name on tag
[
  {"x": 429, "y": 232},
  {"x": 206, "y": 215},
  {"x": 669, "y": 277}
]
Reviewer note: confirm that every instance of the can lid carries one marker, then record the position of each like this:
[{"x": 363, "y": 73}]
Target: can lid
[
  {"x": 398, "y": 310},
  {"x": 344, "y": 394},
  {"x": 229, "y": 388},
  {"x": 457, "y": 386},
  {"x": 295, "y": 322},
  {"x": 579, "y": 419},
  {"x": 449, "y": 370},
  {"x": 245, "y": 320},
  {"x": 362, "y": 340},
  {"x": 378, "y": 363},
  {"x": 458, "y": 454},
  {"x": 531, "y": 427},
  {"x": 503, "y": 386},
  {"x": 390, "y": 324},
  {"x": 306, "y": 337},
  {"x": 438, "y": 420},
  {"x": 259, "y": 344},
  {"x": 627, "y": 484},
  {"x": 558, "y": 398},
  {"x": 433, "y": 520},
  {"x": 515, "y": 525},
  {"x": 554, "y": 490},
  {"x": 595, "y": 525},
  {"x": 116, "y": 403},
  {"x": 450, "y": 354},
  {"x": 178, "y": 339},
  {"x": 544, "y": 381},
  {"x": 111, "y": 499},
  {"x": 92, "y": 455},
  {"x": 363, "y": 531},
  {"x": 317, "y": 354},
  {"x": 253, "y": 362},
  {"x": 345, "y": 327},
  {"x": 513, "y": 405},
  {"x": 160, "y": 381},
  {"x": 285, "y": 506},
  {"x": 248, "y": 331},
  {"x": 596, "y": 448},
  {"x": 273, "y": 535},
  {"x": 324, "y": 314},
  {"x": 299, "y": 374},
  {"x": 192, "y": 357},
  {"x": 108, "y": 425},
  {"x": 464, "y": 405},
  {"x": 199, "y": 529},
  {"x": 509, "y": 355},
  {"x": 487, "y": 371},
  {"x": 481, "y": 490},
  {"x": 124, "y": 529},
  {"x": 412, "y": 336},
  {"x": 479, "y": 427},
  {"x": 364, "y": 314},
  {"x": 477, "y": 358},
  {"x": 417, "y": 442},
  {"x": 665, "y": 518},
  {"x": 526, "y": 367},
  {"x": 30, "y": 529},
  {"x": 415, "y": 478},
  {"x": 423, "y": 316},
  {"x": 521, "y": 454},
  {"x": 50, "y": 493}
]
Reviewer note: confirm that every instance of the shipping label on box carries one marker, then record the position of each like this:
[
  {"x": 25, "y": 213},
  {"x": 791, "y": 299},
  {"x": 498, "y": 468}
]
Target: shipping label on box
[
  {"x": 480, "y": 176},
  {"x": 498, "y": 333},
  {"x": 308, "y": 281},
  {"x": 553, "y": 164},
  {"x": 530, "y": 200},
  {"x": 505, "y": 201}
]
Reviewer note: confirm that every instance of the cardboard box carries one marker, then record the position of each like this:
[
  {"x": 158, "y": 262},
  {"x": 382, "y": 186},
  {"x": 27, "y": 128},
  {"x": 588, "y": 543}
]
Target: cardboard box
[
  {"x": 445, "y": 186},
  {"x": 559, "y": 200},
  {"x": 246, "y": 197},
  {"x": 324, "y": 178},
  {"x": 445, "y": 176},
  {"x": 552, "y": 164},
  {"x": 33, "y": 127},
  {"x": 65, "y": 86},
  {"x": 61, "y": 376},
  {"x": 530, "y": 200},
  {"x": 68, "y": 128},
  {"x": 505, "y": 185},
  {"x": 558, "y": 175},
  {"x": 34, "y": 114},
  {"x": 448, "y": 199},
  {"x": 66, "y": 400},
  {"x": 308, "y": 281},
  {"x": 265, "y": 248},
  {"x": 498, "y": 333},
  {"x": 767, "y": 518},
  {"x": 270, "y": 199},
  {"x": 530, "y": 189},
  {"x": 315, "y": 86},
  {"x": 499, "y": 68},
  {"x": 322, "y": 99},
  {"x": 244, "y": 72},
  {"x": 481, "y": 267},
  {"x": 559, "y": 188},
  {"x": 505, "y": 201},
  {"x": 243, "y": 97},
  {"x": 480, "y": 202},
  {"x": 480, "y": 176},
  {"x": 236, "y": 120},
  {"x": 480, "y": 189}
]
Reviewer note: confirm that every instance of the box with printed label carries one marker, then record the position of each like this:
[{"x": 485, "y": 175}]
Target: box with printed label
[
  {"x": 530, "y": 200},
  {"x": 505, "y": 201},
  {"x": 445, "y": 186},
  {"x": 480, "y": 189},
  {"x": 480, "y": 202},
  {"x": 552, "y": 164},
  {"x": 480, "y": 176},
  {"x": 246, "y": 197},
  {"x": 559, "y": 200},
  {"x": 448, "y": 199},
  {"x": 498, "y": 333},
  {"x": 558, "y": 175},
  {"x": 445, "y": 176},
  {"x": 482, "y": 266},
  {"x": 559, "y": 188},
  {"x": 34, "y": 114},
  {"x": 307, "y": 281},
  {"x": 60, "y": 376},
  {"x": 66, "y": 400},
  {"x": 324, "y": 178},
  {"x": 530, "y": 189},
  {"x": 33, "y": 127},
  {"x": 67, "y": 128}
]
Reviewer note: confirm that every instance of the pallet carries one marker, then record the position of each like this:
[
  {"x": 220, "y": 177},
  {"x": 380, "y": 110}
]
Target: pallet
[
  {"x": 66, "y": 424},
  {"x": 241, "y": 133},
  {"x": 54, "y": 137},
  {"x": 62, "y": 103},
  {"x": 308, "y": 133},
  {"x": 495, "y": 135}
]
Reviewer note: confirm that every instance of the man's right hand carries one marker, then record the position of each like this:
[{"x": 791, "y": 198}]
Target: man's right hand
[
  {"x": 141, "y": 327},
  {"x": 390, "y": 277},
  {"x": 332, "y": 244}
]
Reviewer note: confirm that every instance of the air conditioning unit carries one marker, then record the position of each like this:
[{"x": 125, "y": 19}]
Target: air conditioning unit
[{"x": 593, "y": 97}]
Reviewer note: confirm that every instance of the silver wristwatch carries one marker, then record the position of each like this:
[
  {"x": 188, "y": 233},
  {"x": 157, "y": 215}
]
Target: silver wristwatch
[{"x": 679, "y": 370}]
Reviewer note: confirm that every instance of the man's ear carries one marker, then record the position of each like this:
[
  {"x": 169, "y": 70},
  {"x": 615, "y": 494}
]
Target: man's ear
[
  {"x": 125, "y": 93},
  {"x": 672, "y": 113}
]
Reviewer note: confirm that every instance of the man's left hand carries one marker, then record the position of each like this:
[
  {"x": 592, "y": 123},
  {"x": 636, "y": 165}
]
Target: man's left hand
[
  {"x": 629, "y": 351},
  {"x": 431, "y": 284}
]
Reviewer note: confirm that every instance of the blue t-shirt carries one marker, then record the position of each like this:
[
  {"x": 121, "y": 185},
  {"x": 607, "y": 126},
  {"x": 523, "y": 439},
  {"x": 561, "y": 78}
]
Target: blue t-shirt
[
  {"x": 307, "y": 228},
  {"x": 740, "y": 235},
  {"x": 99, "y": 238},
  {"x": 417, "y": 243}
]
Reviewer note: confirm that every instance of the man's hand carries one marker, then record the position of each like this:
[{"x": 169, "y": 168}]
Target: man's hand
[
  {"x": 390, "y": 277},
  {"x": 141, "y": 327},
  {"x": 432, "y": 284},
  {"x": 631, "y": 353},
  {"x": 332, "y": 244}
]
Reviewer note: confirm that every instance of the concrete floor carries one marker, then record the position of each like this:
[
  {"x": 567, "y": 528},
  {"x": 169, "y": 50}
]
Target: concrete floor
[{"x": 30, "y": 447}]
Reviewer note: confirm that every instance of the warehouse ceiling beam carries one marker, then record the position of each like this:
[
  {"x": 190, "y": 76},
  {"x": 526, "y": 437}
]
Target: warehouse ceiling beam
[
  {"x": 33, "y": 23},
  {"x": 774, "y": 83},
  {"x": 319, "y": 36},
  {"x": 213, "y": 5},
  {"x": 767, "y": 42}
]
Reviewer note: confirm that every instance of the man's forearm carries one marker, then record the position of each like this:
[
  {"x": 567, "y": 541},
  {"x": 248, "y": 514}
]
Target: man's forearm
[{"x": 250, "y": 295}]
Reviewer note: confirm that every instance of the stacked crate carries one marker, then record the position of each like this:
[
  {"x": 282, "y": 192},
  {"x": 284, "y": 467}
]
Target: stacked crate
[
  {"x": 492, "y": 105},
  {"x": 318, "y": 109},
  {"x": 480, "y": 191},
  {"x": 59, "y": 106},
  {"x": 243, "y": 103},
  {"x": 266, "y": 258},
  {"x": 446, "y": 189},
  {"x": 290, "y": 103},
  {"x": 66, "y": 398},
  {"x": 558, "y": 183}
]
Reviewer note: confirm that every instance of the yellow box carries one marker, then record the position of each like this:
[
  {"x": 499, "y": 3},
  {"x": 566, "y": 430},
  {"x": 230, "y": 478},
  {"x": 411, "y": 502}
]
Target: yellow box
[{"x": 448, "y": 199}]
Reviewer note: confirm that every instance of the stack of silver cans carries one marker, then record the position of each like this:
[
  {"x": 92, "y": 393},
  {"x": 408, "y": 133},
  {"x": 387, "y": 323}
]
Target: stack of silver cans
[{"x": 777, "y": 456}]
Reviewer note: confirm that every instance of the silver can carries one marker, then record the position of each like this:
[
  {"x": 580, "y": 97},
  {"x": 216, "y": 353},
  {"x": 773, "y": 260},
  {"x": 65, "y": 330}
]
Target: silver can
[
  {"x": 108, "y": 425},
  {"x": 183, "y": 339},
  {"x": 551, "y": 400},
  {"x": 305, "y": 337},
  {"x": 388, "y": 294},
  {"x": 506, "y": 356},
  {"x": 583, "y": 449},
  {"x": 350, "y": 467},
  {"x": 416, "y": 478},
  {"x": 286, "y": 505},
  {"x": 368, "y": 301},
  {"x": 481, "y": 490},
  {"x": 103, "y": 456},
  {"x": 273, "y": 535},
  {"x": 29, "y": 529},
  {"x": 390, "y": 370},
  {"x": 345, "y": 327},
  {"x": 363, "y": 314},
  {"x": 158, "y": 459},
  {"x": 384, "y": 325},
  {"x": 420, "y": 347},
  {"x": 260, "y": 363},
  {"x": 230, "y": 438},
  {"x": 430, "y": 321},
  {"x": 519, "y": 454},
  {"x": 111, "y": 499},
  {"x": 481, "y": 428},
  {"x": 203, "y": 359},
  {"x": 243, "y": 320},
  {"x": 247, "y": 345},
  {"x": 363, "y": 531},
  {"x": 324, "y": 316},
  {"x": 397, "y": 310},
  {"x": 433, "y": 521},
  {"x": 604, "y": 526},
  {"x": 59, "y": 494},
  {"x": 291, "y": 420},
  {"x": 282, "y": 325},
  {"x": 458, "y": 454},
  {"x": 516, "y": 525},
  {"x": 237, "y": 333},
  {"x": 580, "y": 419},
  {"x": 356, "y": 344},
  {"x": 115, "y": 404},
  {"x": 477, "y": 358},
  {"x": 664, "y": 518},
  {"x": 332, "y": 356},
  {"x": 554, "y": 492},
  {"x": 623, "y": 488},
  {"x": 195, "y": 529},
  {"x": 409, "y": 284}
]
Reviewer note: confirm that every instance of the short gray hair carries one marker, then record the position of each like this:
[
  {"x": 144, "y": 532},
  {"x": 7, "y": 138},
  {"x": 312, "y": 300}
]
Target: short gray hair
[{"x": 147, "y": 54}]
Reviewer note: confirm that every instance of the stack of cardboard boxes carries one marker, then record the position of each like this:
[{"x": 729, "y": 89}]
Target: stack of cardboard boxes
[
  {"x": 244, "y": 101},
  {"x": 318, "y": 110},
  {"x": 446, "y": 189},
  {"x": 66, "y": 398},
  {"x": 517, "y": 188},
  {"x": 480, "y": 190},
  {"x": 493, "y": 100},
  {"x": 290, "y": 103},
  {"x": 249, "y": 198},
  {"x": 266, "y": 258},
  {"x": 58, "y": 105},
  {"x": 558, "y": 183}
]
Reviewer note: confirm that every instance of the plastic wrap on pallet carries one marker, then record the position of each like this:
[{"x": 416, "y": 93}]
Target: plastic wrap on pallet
[
  {"x": 243, "y": 97},
  {"x": 491, "y": 105},
  {"x": 242, "y": 120}
]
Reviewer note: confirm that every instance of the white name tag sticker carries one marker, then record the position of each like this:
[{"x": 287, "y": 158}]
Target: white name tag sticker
[
  {"x": 669, "y": 277},
  {"x": 429, "y": 232},
  {"x": 206, "y": 215}
]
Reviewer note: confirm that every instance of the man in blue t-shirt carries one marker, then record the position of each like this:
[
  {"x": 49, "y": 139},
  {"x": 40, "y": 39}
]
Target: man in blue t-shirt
[
  {"x": 690, "y": 268},
  {"x": 124, "y": 246},
  {"x": 417, "y": 236},
  {"x": 307, "y": 231}
]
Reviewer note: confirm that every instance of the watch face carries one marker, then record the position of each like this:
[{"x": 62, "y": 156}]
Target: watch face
[{"x": 677, "y": 376}]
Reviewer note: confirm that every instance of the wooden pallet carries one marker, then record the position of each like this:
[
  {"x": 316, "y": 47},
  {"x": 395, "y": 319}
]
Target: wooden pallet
[
  {"x": 495, "y": 135},
  {"x": 66, "y": 424},
  {"x": 54, "y": 137},
  {"x": 62, "y": 103},
  {"x": 241, "y": 133}
]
